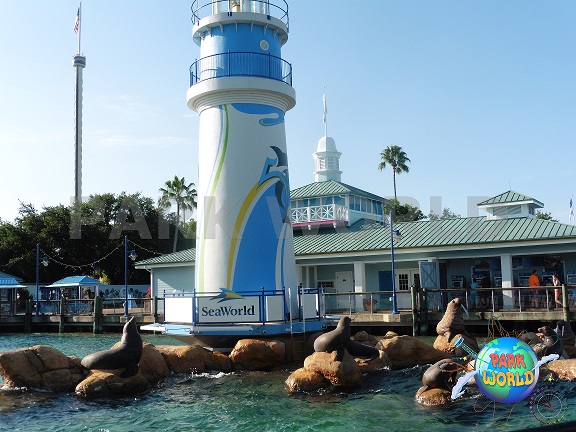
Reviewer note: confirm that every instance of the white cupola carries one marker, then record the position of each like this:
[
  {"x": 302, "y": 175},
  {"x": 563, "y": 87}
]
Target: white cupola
[{"x": 327, "y": 161}]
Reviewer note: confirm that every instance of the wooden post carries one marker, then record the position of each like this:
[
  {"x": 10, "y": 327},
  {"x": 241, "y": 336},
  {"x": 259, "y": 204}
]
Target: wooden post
[
  {"x": 28, "y": 317},
  {"x": 565, "y": 306},
  {"x": 97, "y": 325},
  {"x": 415, "y": 314},
  {"x": 423, "y": 312},
  {"x": 155, "y": 308},
  {"x": 62, "y": 313}
]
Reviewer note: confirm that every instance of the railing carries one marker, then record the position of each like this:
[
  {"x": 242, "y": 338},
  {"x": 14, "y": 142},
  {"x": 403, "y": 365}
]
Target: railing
[
  {"x": 327, "y": 212},
  {"x": 74, "y": 307},
  {"x": 481, "y": 299},
  {"x": 241, "y": 64},
  {"x": 275, "y": 8}
]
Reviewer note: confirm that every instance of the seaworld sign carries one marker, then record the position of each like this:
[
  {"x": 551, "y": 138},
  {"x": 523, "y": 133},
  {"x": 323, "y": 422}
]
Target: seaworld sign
[{"x": 246, "y": 309}]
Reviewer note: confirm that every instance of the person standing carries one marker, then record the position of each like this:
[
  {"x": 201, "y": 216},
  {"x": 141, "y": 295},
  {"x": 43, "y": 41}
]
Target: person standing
[
  {"x": 557, "y": 291},
  {"x": 533, "y": 283}
]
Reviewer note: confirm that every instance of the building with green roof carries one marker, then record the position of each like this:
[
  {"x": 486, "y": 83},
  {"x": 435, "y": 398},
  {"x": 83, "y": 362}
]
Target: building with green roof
[{"x": 342, "y": 243}]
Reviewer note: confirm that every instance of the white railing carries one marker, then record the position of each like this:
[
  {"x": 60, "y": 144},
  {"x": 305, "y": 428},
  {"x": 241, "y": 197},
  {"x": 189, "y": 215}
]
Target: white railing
[{"x": 327, "y": 212}]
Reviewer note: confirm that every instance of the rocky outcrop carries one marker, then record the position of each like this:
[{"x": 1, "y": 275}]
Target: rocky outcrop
[
  {"x": 343, "y": 373},
  {"x": 102, "y": 383},
  {"x": 433, "y": 397},
  {"x": 407, "y": 351},
  {"x": 302, "y": 380},
  {"x": 40, "y": 367},
  {"x": 563, "y": 369},
  {"x": 254, "y": 354},
  {"x": 193, "y": 359}
]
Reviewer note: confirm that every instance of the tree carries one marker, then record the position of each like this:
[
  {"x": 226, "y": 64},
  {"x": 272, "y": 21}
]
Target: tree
[
  {"x": 183, "y": 195},
  {"x": 397, "y": 159},
  {"x": 446, "y": 214},
  {"x": 403, "y": 212},
  {"x": 545, "y": 216}
]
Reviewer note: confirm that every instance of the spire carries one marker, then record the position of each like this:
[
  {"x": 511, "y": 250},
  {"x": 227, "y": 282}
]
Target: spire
[{"x": 327, "y": 157}]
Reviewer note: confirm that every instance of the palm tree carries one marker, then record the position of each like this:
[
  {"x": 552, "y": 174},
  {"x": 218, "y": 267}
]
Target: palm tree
[
  {"x": 184, "y": 195},
  {"x": 396, "y": 158}
]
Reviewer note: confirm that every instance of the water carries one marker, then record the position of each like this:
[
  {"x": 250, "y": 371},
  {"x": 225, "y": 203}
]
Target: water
[{"x": 247, "y": 401}]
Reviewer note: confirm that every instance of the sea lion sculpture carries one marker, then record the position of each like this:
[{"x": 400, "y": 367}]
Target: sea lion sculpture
[
  {"x": 452, "y": 323},
  {"x": 551, "y": 343},
  {"x": 126, "y": 355},
  {"x": 442, "y": 374},
  {"x": 339, "y": 340},
  {"x": 565, "y": 333}
]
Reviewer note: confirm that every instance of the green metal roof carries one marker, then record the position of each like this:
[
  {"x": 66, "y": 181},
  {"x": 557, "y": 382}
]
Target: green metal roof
[
  {"x": 187, "y": 255},
  {"x": 442, "y": 233},
  {"x": 510, "y": 197},
  {"x": 365, "y": 236},
  {"x": 329, "y": 188}
]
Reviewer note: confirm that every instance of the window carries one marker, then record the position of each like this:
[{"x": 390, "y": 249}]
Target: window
[{"x": 403, "y": 282}]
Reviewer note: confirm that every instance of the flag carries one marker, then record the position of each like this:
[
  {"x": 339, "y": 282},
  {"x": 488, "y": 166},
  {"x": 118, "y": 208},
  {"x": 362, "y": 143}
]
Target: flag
[
  {"x": 325, "y": 108},
  {"x": 571, "y": 215},
  {"x": 77, "y": 23}
]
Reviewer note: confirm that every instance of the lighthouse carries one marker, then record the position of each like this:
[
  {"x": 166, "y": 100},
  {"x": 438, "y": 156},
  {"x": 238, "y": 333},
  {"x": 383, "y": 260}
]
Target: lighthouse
[{"x": 241, "y": 87}]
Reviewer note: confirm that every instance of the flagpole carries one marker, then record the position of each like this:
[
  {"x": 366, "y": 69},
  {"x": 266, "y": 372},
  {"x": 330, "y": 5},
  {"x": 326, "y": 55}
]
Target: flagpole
[
  {"x": 325, "y": 112},
  {"x": 79, "y": 26}
]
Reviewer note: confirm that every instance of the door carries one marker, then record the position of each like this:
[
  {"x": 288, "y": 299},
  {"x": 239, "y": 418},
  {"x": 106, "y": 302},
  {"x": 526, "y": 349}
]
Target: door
[
  {"x": 405, "y": 278},
  {"x": 344, "y": 284}
]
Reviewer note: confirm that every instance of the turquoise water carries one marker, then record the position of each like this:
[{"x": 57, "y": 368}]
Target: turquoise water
[{"x": 248, "y": 401}]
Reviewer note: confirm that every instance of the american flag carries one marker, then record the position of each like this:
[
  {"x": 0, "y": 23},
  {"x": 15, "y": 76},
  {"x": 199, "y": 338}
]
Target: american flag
[
  {"x": 571, "y": 215},
  {"x": 77, "y": 23}
]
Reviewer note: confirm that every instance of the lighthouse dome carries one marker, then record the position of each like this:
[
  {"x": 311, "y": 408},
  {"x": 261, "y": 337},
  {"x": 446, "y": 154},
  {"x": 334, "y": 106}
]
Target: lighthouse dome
[{"x": 326, "y": 144}]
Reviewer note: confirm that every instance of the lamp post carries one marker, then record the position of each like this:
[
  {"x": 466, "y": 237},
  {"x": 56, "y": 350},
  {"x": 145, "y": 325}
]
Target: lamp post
[
  {"x": 44, "y": 262},
  {"x": 132, "y": 255},
  {"x": 394, "y": 236}
]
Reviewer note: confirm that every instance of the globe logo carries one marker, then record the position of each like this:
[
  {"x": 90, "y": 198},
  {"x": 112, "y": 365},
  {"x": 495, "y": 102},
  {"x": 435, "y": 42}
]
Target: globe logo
[{"x": 506, "y": 370}]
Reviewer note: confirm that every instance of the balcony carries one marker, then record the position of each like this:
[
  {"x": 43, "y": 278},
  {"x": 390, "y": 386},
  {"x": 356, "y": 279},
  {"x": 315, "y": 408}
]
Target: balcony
[
  {"x": 319, "y": 215},
  {"x": 241, "y": 64},
  {"x": 271, "y": 8}
]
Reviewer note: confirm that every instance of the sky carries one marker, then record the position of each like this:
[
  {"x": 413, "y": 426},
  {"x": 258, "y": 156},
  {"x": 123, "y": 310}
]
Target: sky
[{"x": 480, "y": 95}]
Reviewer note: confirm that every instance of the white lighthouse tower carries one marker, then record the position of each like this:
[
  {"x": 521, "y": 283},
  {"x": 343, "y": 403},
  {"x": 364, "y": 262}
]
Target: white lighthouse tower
[{"x": 242, "y": 87}]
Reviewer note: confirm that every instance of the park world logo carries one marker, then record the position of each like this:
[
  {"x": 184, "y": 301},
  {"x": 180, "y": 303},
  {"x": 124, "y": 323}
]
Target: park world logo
[{"x": 506, "y": 370}]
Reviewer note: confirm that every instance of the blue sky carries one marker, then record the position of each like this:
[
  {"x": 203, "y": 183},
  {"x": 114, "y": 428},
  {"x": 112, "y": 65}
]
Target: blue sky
[{"x": 480, "y": 95}]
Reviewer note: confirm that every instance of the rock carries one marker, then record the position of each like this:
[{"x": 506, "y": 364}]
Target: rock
[
  {"x": 343, "y": 373},
  {"x": 218, "y": 362},
  {"x": 563, "y": 369},
  {"x": 193, "y": 359},
  {"x": 370, "y": 366},
  {"x": 254, "y": 354},
  {"x": 407, "y": 351},
  {"x": 441, "y": 343},
  {"x": 152, "y": 364},
  {"x": 302, "y": 380},
  {"x": 40, "y": 367},
  {"x": 433, "y": 397},
  {"x": 109, "y": 383}
]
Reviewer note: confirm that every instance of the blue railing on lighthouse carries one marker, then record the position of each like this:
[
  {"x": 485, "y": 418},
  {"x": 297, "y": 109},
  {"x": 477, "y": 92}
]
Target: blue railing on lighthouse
[
  {"x": 271, "y": 8},
  {"x": 241, "y": 64}
]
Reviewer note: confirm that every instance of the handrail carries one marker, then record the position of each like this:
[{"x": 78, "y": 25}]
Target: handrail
[
  {"x": 275, "y": 8},
  {"x": 325, "y": 212},
  {"x": 241, "y": 64}
]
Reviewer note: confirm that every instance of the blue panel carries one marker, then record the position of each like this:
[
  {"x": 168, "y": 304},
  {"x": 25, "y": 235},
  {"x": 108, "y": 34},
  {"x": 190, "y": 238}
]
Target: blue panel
[{"x": 241, "y": 40}]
